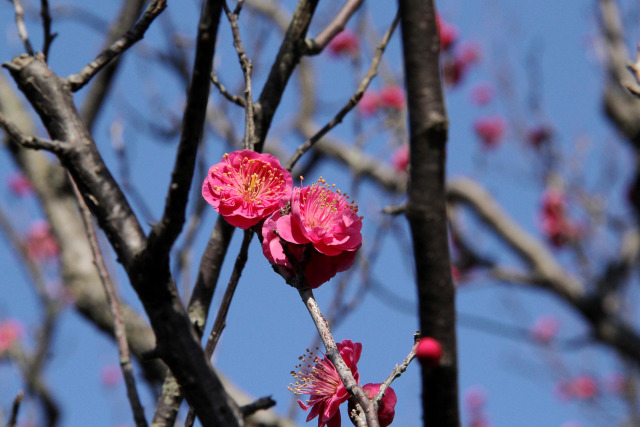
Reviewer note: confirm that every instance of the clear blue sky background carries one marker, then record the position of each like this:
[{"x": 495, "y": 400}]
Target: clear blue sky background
[{"x": 268, "y": 327}]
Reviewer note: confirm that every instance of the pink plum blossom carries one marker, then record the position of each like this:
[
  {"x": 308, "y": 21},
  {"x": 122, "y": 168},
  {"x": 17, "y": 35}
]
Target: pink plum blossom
[
  {"x": 319, "y": 379},
  {"x": 545, "y": 329},
  {"x": 469, "y": 52},
  {"x": 400, "y": 159},
  {"x": 369, "y": 103},
  {"x": 246, "y": 187},
  {"x": 584, "y": 387},
  {"x": 429, "y": 352},
  {"x": 448, "y": 33},
  {"x": 111, "y": 375},
  {"x": 539, "y": 135},
  {"x": 482, "y": 94},
  {"x": 490, "y": 130},
  {"x": 40, "y": 242},
  {"x": 321, "y": 221},
  {"x": 10, "y": 331},
  {"x": 386, "y": 406},
  {"x": 553, "y": 219},
  {"x": 19, "y": 185},
  {"x": 392, "y": 96},
  {"x": 344, "y": 43}
]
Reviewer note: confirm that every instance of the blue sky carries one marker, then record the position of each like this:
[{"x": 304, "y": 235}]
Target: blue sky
[{"x": 268, "y": 327}]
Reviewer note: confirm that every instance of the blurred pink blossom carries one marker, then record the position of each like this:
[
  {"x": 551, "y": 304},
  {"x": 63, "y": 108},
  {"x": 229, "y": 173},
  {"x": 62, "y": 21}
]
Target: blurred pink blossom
[
  {"x": 400, "y": 159},
  {"x": 111, "y": 375},
  {"x": 392, "y": 96},
  {"x": 545, "y": 329},
  {"x": 490, "y": 130},
  {"x": 553, "y": 220},
  {"x": 369, "y": 103},
  {"x": 19, "y": 185},
  {"x": 344, "y": 43},
  {"x": 448, "y": 33},
  {"x": 10, "y": 331},
  {"x": 40, "y": 243},
  {"x": 482, "y": 94}
]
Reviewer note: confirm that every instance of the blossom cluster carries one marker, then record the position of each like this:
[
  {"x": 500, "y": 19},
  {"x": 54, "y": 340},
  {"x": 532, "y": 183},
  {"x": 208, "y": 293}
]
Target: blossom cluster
[
  {"x": 318, "y": 378},
  {"x": 314, "y": 229}
]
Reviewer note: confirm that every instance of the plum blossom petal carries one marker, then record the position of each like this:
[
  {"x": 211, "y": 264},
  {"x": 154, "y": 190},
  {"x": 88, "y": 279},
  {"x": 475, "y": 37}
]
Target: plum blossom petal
[
  {"x": 319, "y": 379},
  {"x": 246, "y": 187}
]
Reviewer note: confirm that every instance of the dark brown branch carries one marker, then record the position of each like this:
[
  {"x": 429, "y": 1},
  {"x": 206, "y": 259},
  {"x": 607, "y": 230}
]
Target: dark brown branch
[
  {"x": 338, "y": 24},
  {"x": 288, "y": 57},
  {"x": 164, "y": 234},
  {"x": 426, "y": 207},
  {"x": 33, "y": 142},
  {"x": 224, "y": 92},
  {"x": 78, "y": 80},
  {"x": 46, "y": 27},
  {"x": 15, "y": 407}
]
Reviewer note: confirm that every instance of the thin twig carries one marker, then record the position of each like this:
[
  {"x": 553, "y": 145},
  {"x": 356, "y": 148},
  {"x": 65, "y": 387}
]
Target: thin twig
[
  {"x": 31, "y": 141},
  {"x": 78, "y": 80},
  {"x": 238, "y": 8},
  {"x": 220, "y": 321},
  {"x": 238, "y": 100},
  {"x": 118, "y": 325},
  {"x": 22, "y": 29},
  {"x": 257, "y": 405},
  {"x": 13, "y": 418},
  {"x": 353, "y": 101},
  {"x": 338, "y": 24},
  {"x": 398, "y": 370},
  {"x": 245, "y": 64},
  {"x": 46, "y": 27}
]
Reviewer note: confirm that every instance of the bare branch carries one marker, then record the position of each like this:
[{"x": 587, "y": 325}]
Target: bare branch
[
  {"x": 353, "y": 101},
  {"x": 22, "y": 29},
  {"x": 46, "y": 27},
  {"x": 17, "y": 401},
  {"x": 339, "y": 22},
  {"x": 78, "y": 80},
  {"x": 224, "y": 92},
  {"x": 33, "y": 142}
]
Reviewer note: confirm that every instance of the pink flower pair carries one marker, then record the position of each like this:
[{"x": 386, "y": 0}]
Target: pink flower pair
[
  {"x": 318, "y": 226},
  {"x": 319, "y": 379}
]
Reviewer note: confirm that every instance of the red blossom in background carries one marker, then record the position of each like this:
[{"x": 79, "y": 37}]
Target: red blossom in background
[
  {"x": 545, "y": 329},
  {"x": 400, "y": 159},
  {"x": 369, "y": 103},
  {"x": 321, "y": 221},
  {"x": 554, "y": 223},
  {"x": 246, "y": 187},
  {"x": 111, "y": 375},
  {"x": 582, "y": 387},
  {"x": 448, "y": 33},
  {"x": 19, "y": 185},
  {"x": 386, "y": 406},
  {"x": 490, "y": 130},
  {"x": 344, "y": 43},
  {"x": 40, "y": 243},
  {"x": 10, "y": 331},
  {"x": 392, "y": 96},
  {"x": 475, "y": 400},
  {"x": 319, "y": 379},
  {"x": 539, "y": 135}
]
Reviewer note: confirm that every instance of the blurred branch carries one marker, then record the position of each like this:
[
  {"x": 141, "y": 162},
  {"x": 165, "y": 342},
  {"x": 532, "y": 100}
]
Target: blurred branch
[
  {"x": 78, "y": 80},
  {"x": 339, "y": 22},
  {"x": 353, "y": 101},
  {"x": 13, "y": 417},
  {"x": 22, "y": 29}
]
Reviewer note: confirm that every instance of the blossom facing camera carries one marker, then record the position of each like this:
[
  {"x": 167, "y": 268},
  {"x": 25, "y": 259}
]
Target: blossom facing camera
[
  {"x": 246, "y": 187},
  {"x": 319, "y": 379},
  {"x": 386, "y": 406},
  {"x": 321, "y": 230},
  {"x": 344, "y": 43},
  {"x": 429, "y": 352}
]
